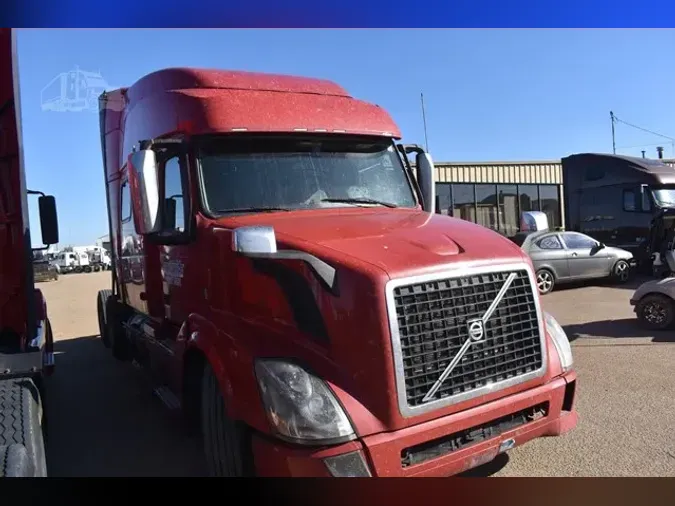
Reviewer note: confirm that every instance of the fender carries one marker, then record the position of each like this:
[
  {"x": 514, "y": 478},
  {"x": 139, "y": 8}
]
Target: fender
[{"x": 231, "y": 366}]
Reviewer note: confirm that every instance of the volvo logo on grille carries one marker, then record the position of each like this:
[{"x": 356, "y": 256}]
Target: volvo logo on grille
[{"x": 476, "y": 330}]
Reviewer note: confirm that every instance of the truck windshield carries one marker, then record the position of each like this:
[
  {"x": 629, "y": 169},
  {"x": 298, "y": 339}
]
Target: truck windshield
[
  {"x": 259, "y": 174},
  {"x": 664, "y": 197}
]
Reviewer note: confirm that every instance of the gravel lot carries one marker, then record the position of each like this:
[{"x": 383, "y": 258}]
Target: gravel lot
[{"x": 104, "y": 421}]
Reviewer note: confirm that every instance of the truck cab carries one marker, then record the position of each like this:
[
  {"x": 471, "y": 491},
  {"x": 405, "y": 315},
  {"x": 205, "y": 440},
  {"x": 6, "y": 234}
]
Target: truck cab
[{"x": 279, "y": 269}]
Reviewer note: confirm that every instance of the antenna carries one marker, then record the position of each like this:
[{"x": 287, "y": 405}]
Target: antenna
[{"x": 424, "y": 120}]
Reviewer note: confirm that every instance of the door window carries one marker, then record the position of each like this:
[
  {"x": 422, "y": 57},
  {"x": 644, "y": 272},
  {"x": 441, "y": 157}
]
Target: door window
[
  {"x": 173, "y": 200},
  {"x": 579, "y": 241},
  {"x": 550, "y": 242}
]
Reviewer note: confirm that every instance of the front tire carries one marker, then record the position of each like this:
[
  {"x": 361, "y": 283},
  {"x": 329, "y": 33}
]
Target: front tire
[
  {"x": 621, "y": 271},
  {"x": 545, "y": 281},
  {"x": 22, "y": 447},
  {"x": 101, "y": 299},
  {"x": 117, "y": 336},
  {"x": 656, "y": 312},
  {"x": 226, "y": 442}
]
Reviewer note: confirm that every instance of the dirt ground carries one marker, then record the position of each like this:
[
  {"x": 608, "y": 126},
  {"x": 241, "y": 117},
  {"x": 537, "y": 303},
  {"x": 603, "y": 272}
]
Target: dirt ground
[{"x": 104, "y": 421}]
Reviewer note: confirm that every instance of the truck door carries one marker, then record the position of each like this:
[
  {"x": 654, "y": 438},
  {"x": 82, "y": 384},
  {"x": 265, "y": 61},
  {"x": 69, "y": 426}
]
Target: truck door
[
  {"x": 585, "y": 259},
  {"x": 131, "y": 256}
]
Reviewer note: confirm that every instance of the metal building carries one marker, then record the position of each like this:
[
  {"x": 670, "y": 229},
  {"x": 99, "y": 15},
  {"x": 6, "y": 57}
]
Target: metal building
[{"x": 494, "y": 194}]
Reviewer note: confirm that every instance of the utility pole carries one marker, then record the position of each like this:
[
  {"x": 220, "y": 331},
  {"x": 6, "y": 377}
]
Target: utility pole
[
  {"x": 611, "y": 115},
  {"x": 424, "y": 120}
]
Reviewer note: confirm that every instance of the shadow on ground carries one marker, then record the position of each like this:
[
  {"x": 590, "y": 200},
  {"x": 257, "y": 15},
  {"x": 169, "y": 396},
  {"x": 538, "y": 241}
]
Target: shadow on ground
[
  {"x": 103, "y": 419},
  {"x": 631, "y": 284},
  {"x": 617, "y": 329}
]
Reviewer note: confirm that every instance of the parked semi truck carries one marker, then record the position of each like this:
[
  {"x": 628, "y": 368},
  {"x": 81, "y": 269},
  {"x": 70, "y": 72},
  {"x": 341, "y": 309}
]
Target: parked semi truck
[
  {"x": 279, "y": 268},
  {"x": 26, "y": 340},
  {"x": 618, "y": 199}
]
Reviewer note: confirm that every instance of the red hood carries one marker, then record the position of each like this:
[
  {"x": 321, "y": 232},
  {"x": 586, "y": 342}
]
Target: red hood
[{"x": 397, "y": 241}]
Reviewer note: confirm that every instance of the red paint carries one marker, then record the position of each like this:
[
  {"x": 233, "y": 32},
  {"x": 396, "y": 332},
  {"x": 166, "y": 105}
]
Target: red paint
[
  {"x": 232, "y": 313},
  {"x": 22, "y": 307}
]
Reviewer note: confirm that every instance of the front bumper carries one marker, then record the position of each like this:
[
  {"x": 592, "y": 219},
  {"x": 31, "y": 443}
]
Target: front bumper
[{"x": 382, "y": 453}]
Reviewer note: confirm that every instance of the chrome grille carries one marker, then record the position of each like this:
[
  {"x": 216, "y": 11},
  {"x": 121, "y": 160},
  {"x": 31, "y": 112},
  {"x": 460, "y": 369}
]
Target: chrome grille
[{"x": 432, "y": 320}]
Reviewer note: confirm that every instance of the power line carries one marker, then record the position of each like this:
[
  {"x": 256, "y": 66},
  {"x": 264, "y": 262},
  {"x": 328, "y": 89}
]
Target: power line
[{"x": 643, "y": 129}]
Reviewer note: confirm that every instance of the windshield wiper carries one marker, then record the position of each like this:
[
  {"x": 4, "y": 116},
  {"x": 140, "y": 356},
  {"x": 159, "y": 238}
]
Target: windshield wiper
[
  {"x": 253, "y": 210},
  {"x": 360, "y": 201}
]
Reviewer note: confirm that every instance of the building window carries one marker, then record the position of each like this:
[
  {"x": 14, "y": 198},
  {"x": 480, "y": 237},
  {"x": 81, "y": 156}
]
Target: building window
[
  {"x": 464, "y": 202},
  {"x": 508, "y": 209},
  {"x": 528, "y": 197},
  {"x": 629, "y": 201},
  {"x": 443, "y": 198},
  {"x": 486, "y": 206},
  {"x": 549, "y": 202}
]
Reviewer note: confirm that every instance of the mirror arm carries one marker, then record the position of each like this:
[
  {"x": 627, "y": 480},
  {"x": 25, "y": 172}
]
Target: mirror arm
[
  {"x": 35, "y": 192},
  {"x": 325, "y": 272}
]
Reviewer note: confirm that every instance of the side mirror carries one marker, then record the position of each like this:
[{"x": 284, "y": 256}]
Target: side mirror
[
  {"x": 144, "y": 184},
  {"x": 425, "y": 179},
  {"x": 254, "y": 240},
  {"x": 601, "y": 245},
  {"x": 49, "y": 223}
]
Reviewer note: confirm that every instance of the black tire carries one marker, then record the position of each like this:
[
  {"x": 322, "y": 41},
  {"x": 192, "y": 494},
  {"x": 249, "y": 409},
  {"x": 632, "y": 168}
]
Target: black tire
[
  {"x": 87, "y": 268},
  {"x": 77, "y": 269},
  {"x": 21, "y": 439},
  {"x": 226, "y": 442},
  {"x": 656, "y": 312},
  {"x": 545, "y": 281},
  {"x": 101, "y": 299},
  {"x": 119, "y": 342},
  {"x": 621, "y": 271}
]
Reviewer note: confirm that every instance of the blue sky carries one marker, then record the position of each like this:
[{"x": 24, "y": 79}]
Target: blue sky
[{"x": 490, "y": 94}]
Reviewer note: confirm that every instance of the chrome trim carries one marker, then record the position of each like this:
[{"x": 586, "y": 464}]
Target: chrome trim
[
  {"x": 408, "y": 411},
  {"x": 39, "y": 339}
]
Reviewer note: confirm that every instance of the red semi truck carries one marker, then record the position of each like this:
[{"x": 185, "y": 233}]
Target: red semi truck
[
  {"x": 279, "y": 268},
  {"x": 26, "y": 341}
]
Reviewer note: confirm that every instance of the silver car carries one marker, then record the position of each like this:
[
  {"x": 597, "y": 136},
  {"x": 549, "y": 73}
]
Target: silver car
[{"x": 560, "y": 257}]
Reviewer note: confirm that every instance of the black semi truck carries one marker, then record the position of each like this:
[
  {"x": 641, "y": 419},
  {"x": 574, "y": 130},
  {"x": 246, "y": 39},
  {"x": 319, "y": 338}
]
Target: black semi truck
[{"x": 618, "y": 200}]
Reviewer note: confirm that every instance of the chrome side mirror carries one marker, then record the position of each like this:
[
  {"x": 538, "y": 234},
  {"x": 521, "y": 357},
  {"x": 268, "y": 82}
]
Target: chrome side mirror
[
  {"x": 425, "y": 180},
  {"x": 254, "y": 240},
  {"x": 261, "y": 242},
  {"x": 144, "y": 185}
]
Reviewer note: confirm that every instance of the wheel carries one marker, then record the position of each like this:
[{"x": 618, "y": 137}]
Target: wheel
[
  {"x": 621, "y": 271},
  {"x": 226, "y": 442},
  {"x": 87, "y": 268},
  {"x": 77, "y": 269},
  {"x": 96, "y": 268},
  {"x": 21, "y": 439},
  {"x": 656, "y": 311},
  {"x": 545, "y": 281},
  {"x": 117, "y": 336},
  {"x": 101, "y": 299}
]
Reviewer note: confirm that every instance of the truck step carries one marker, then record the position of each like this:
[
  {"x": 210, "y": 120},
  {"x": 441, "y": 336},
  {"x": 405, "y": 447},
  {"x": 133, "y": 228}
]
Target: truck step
[{"x": 167, "y": 397}]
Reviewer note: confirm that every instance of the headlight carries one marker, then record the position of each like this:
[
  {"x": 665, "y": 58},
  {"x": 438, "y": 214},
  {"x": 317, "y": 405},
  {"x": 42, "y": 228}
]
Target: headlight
[
  {"x": 562, "y": 344},
  {"x": 300, "y": 406}
]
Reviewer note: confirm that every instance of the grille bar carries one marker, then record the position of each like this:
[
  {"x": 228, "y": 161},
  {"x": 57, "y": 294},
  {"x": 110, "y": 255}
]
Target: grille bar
[{"x": 429, "y": 318}]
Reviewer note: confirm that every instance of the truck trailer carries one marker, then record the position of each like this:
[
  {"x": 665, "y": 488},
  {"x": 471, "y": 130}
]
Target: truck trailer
[
  {"x": 278, "y": 268},
  {"x": 617, "y": 199},
  {"x": 26, "y": 339}
]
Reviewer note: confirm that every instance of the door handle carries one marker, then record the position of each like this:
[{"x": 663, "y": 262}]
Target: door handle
[{"x": 574, "y": 254}]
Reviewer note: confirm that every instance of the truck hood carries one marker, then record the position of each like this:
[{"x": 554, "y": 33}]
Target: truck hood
[
  {"x": 346, "y": 336},
  {"x": 399, "y": 242}
]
